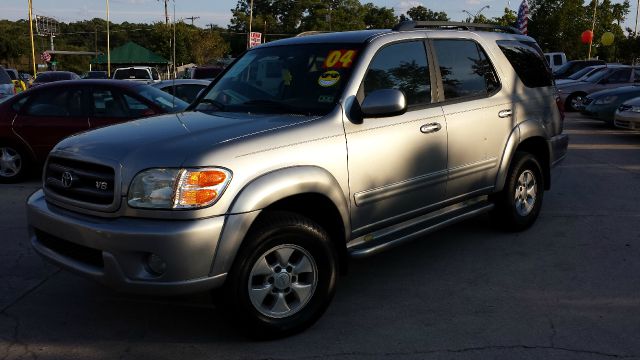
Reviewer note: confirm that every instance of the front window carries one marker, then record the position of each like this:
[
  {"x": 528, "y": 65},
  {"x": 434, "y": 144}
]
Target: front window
[{"x": 300, "y": 79}]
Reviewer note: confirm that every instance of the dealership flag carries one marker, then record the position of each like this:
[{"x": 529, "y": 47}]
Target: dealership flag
[{"x": 523, "y": 17}]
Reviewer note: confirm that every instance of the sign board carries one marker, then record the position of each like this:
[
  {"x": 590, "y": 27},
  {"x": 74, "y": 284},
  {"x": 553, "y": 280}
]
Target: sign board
[
  {"x": 45, "y": 56},
  {"x": 255, "y": 39}
]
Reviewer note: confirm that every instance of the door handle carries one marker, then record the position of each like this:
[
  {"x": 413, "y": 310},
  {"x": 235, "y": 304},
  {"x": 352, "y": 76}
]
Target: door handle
[
  {"x": 504, "y": 113},
  {"x": 430, "y": 128}
]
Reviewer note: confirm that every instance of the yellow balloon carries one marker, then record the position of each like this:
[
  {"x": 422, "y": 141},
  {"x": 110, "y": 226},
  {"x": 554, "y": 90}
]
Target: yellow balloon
[{"x": 607, "y": 38}]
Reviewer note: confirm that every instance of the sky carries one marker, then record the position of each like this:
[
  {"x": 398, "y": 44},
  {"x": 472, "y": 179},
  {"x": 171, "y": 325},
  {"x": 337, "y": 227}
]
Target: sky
[{"x": 219, "y": 11}]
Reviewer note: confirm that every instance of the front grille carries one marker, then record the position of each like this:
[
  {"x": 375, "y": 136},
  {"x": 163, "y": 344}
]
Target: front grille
[
  {"x": 80, "y": 181},
  {"x": 71, "y": 250}
]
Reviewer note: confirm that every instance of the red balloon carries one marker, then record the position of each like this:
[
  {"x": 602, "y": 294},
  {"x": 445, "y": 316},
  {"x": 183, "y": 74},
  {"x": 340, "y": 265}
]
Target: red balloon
[{"x": 587, "y": 36}]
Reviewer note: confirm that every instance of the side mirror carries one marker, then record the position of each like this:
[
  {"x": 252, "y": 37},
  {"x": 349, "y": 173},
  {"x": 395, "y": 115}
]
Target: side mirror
[{"x": 383, "y": 103}]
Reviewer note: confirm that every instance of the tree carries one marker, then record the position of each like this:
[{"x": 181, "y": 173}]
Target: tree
[{"x": 421, "y": 13}]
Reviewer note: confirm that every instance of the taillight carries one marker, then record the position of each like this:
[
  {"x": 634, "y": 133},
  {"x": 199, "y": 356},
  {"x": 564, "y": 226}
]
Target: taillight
[{"x": 559, "y": 103}]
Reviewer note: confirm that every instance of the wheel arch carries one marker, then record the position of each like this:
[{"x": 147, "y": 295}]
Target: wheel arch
[
  {"x": 307, "y": 190},
  {"x": 529, "y": 137}
]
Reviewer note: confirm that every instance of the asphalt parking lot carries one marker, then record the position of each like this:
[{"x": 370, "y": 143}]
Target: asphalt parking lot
[{"x": 568, "y": 288}]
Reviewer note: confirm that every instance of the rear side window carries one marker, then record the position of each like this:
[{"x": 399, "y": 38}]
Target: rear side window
[
  {"x": 528, "y": 62},
  {"x": 620, "y": 76},
  {"x": 138, "y": 74},
  {"x": 56, "y": 103},
  {"x": 557, "y": 60},
  {"x": 465, "y": 69}
]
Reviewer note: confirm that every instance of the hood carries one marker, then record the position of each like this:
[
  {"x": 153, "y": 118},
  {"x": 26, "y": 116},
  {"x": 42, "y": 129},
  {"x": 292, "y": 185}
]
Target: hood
[
  {"x": 629, "y": 91},
  {"x": 168, "y": 140}
]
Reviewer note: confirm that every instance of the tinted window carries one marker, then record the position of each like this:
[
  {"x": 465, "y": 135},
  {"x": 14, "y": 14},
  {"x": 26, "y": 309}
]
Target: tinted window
[
  {"x": 139, "y": 74},
  {"x": 205, "y": 73},
  {"x": 557, "y": 60},
  {"x": 4, "y": 77},
  {"x": 107, "y": 103},
  {"x": 464, "y": 68},
  {"x": 577, "y": 75},
  {"x": 56, "y": 103},
  {"x": 526, "y": 59},
  {"x": 404, "y": 67},
  {"x": 137, "y": 108},
  {"x": 620, "y": 76}
]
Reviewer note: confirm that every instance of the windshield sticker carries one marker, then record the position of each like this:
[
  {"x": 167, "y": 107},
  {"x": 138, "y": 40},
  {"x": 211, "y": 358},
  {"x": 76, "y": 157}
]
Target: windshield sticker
[
  {"x": 339, "y": 59},
  {"x": 329, "y": 78},
  {"x": 325, "y": 99}
]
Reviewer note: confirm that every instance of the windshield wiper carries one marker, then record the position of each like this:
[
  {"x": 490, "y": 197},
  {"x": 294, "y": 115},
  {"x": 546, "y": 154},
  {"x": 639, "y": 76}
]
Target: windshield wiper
[{"x": 276, "y": 105}]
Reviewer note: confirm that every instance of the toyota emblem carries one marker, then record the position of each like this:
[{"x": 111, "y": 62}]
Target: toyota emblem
[{"x": 67, "y": 179}]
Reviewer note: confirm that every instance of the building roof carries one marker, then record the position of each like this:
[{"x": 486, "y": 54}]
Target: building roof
[{"x": 131, "y": 54}]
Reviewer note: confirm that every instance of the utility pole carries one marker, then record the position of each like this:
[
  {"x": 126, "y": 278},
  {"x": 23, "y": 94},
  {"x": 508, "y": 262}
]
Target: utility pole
[
  {"x": 211, "y": 25},
  {"x": 166, "y": 12},
  {"x": 635, "y": 29},
  {"x": 108, "y": 45},
  {"x": 593, "y": 26},
  {"x": 250, "y": 21},
  {"x": 192, "y": 19},
  {"x": 33, "y": 51}
]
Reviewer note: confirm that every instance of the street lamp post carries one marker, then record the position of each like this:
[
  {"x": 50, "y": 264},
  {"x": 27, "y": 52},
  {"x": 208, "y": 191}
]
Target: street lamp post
[{"x": 474, "y": 17}]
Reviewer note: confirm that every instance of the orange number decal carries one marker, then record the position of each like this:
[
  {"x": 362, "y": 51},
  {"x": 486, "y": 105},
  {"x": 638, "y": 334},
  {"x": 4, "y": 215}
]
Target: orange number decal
[{"x": 339, "y": 59}]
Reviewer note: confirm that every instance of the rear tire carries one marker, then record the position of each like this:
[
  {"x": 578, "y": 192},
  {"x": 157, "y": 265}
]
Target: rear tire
[
  {"x": 519, "y": 203},
  {"x": 14, "y": 164},
  {"x": 284, "y": 277}
]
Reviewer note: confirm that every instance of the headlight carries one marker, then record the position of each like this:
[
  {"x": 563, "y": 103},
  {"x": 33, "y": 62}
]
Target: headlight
[
  {"x": 606, "y": 100},
  {"x": 635, "y": 109},
  {"x": 178, "y": 188}
]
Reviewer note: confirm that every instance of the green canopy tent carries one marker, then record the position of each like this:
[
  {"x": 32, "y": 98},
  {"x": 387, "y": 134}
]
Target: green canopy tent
[{"x": 131, "y": 54}]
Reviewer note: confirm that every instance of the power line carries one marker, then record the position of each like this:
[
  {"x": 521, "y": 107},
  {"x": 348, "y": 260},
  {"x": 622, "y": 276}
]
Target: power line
[{"x": 192, "y": 19}]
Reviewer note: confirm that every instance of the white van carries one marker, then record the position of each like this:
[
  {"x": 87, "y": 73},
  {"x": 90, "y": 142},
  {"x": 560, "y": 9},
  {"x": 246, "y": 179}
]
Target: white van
[{"x": 555, "y": 59}]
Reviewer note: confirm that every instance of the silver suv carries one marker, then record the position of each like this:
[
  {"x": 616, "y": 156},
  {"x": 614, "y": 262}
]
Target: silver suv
[{"x": 304, "y": 152}]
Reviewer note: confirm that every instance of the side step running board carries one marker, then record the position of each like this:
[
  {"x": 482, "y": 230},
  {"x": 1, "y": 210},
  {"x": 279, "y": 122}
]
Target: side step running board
[{"x": 388, "y": 238}]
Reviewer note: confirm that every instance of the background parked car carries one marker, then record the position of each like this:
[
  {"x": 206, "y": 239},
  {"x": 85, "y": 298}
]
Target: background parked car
[
  {"x": 184, "y": 89},
  {"x": 581, "y": 75},
  {"x": 206, "y": 72},
  {"x": 27, "y": 78},
  {"x": 572, "y": 94},
  {"x": 18, "y": 84},
  {"x": 53, "y": 76},
  {"x": 32, "y": 122},
  {"x": 6, "y": 85},
  {"x": 602, "y": 105},
  {"x": 574, "y": 65},
  {"x": 96, "y": 75},
  {"x": 142, "y": 74},
  {"x": 555, "y": 60},
  {"x": 628, "y": 115}
]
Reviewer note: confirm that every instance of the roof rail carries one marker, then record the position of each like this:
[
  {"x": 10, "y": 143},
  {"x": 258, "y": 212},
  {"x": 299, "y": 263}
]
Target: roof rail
[{"x": 413, "y": 25}]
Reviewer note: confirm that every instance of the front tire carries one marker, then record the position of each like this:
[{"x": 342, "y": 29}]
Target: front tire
[
  {"x": 519, "y": 203},
  {"x": 572, "y": 101},
  {"x": 284, "y": 277}
]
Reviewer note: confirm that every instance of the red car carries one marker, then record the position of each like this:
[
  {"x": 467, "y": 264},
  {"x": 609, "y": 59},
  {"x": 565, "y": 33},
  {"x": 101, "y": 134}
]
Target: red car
[{"x": 32, "y": 122}]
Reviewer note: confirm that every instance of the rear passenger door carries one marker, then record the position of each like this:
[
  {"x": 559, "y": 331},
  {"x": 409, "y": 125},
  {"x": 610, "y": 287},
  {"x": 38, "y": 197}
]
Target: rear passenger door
[
  {"x": 478, "y": 115},
  {"x": 397, "y": 165},
  {"x": 49, "y": 116}
]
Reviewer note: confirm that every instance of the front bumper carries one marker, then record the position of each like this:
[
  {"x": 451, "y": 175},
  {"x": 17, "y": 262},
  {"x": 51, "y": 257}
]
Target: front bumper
[
  {"x": 115, "y": 251},
  {"x": 622, "y": 120},
  {"x": 558, "y": 145}
]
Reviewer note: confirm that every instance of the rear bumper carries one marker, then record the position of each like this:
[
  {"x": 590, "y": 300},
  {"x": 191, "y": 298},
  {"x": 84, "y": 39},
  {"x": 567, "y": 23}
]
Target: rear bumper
[
  {"x": 558, "y": 146},
  {"x": 115, "y": 252}
]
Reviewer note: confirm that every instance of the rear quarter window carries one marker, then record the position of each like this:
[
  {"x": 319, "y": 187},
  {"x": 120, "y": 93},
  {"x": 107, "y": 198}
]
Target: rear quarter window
[{"x": 528, "y": 62}]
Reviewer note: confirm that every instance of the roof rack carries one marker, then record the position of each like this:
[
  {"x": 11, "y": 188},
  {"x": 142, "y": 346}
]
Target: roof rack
[
  {"x": 314, "y": 32},
  {"x": 413, "y": 25}
]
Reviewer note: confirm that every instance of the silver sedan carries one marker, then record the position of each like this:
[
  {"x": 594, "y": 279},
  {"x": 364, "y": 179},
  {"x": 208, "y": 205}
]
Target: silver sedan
[{"x": 628, "y": 115}]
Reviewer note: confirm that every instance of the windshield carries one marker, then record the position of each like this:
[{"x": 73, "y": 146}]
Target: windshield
[
  {"x": 165, "y": 101},
  {"x": 293, "y": 79},
  {"x": 577, "y": 75}
]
